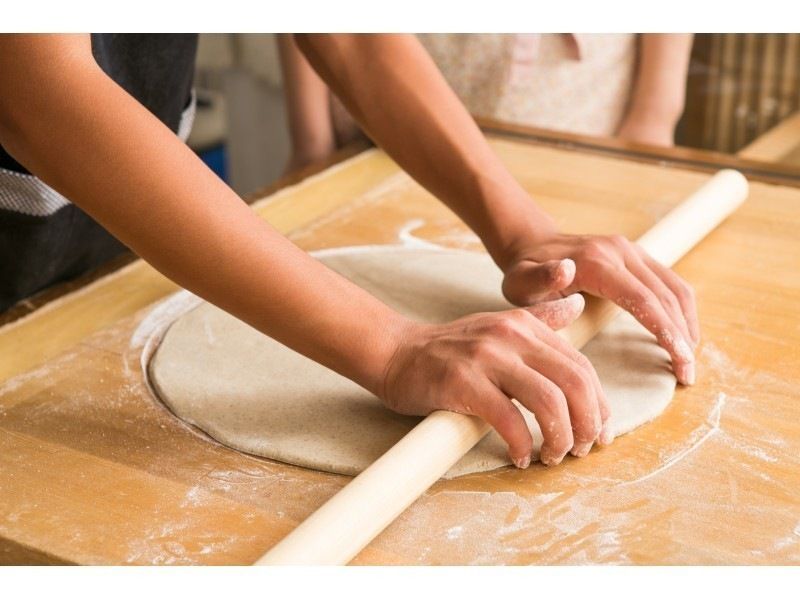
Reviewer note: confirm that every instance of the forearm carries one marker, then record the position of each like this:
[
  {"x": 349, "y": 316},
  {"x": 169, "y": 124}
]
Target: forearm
[
  {"x": 307, "y": 104},
  {"x": 394, "y": 90},
  {"x": 660, "y": 88},
  {"x": 86, "y": 137}
]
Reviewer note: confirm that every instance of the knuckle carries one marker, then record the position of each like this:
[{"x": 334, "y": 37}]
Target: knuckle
[
  {"x": 578, "y": 381},
  {"x": 504, "y": 421},
  {"x": 505, "y": 325},
  {"x": 669, "y": 300},
  {"x": 456, "y": 376},
  {"x": 562, "y": 443},
  {"x": 483, "y": 350},
  {"x": 587, "y": 428},
  {"x": 551, "y": 399},
  {"x": 520, "y": 315},
  {"x": 619, "y": 241},
  {"x": 593, "y": 252},
  {"x": 583, "y": 362}
]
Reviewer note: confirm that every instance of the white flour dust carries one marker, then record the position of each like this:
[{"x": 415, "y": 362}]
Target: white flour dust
[{"x": 697, "y": 439}]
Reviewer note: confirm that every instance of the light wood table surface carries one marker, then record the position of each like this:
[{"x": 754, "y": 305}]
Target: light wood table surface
[
  {"x": 780, "y": 144},
  {"x": 93, "y": 469}
]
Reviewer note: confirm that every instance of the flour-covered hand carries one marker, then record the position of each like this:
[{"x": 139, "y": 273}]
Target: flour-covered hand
[
  {"x": 614, "y": 268},
  {"x": 477, "y": 364}
]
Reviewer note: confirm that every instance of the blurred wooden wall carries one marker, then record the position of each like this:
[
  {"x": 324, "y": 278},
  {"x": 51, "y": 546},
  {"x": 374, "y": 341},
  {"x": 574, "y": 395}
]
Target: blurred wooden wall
[{"x": 739, "y": 86}]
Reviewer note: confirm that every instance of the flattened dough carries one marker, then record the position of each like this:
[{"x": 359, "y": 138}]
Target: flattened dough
[{"x": 253, "y": 394}]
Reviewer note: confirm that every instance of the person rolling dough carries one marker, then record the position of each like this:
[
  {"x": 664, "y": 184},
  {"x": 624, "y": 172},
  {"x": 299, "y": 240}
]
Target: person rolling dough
[{"x": 91, "y": 127}]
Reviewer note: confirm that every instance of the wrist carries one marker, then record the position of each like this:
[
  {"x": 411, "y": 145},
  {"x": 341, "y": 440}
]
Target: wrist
[
  {"x": 381, "y": 349},
  {"x": 647, "y": 129},
  {"x": 510, "y": 222},
  {"x": 663, "y": 112},
  {"x": 530, "y": 226}
]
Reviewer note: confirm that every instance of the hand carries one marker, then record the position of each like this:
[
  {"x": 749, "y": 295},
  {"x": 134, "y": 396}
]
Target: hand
[
  {"x": 476, "y": 364},
  {"x": 614, "y": 268}
]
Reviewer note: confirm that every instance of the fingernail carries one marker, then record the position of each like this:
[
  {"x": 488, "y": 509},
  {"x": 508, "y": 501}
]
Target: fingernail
[
  {"x": 606, "y": 436},
  {"x": 523, "y": 462},
  {"x": 683, "y": 350},
  {"x": 685, "y": 372},
  {"x": 578, "y": 300},
  {"x": 581, "y": 449},
  {"x": 567, "y": 268},
  {"x": 549, "y": 459},
  {"x": 690, "y": 374}
]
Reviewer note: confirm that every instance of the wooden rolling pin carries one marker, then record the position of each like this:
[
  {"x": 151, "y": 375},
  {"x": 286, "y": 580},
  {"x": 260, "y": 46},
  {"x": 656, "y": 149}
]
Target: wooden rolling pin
[{"x": 344, "y": 525}]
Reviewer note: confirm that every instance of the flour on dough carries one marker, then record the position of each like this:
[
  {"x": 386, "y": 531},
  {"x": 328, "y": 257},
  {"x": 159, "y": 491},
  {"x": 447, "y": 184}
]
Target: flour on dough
[{"x": 253, "y": 394}]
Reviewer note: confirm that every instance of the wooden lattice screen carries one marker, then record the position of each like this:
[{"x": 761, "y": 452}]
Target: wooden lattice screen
[{"x": 740, "y": 85}]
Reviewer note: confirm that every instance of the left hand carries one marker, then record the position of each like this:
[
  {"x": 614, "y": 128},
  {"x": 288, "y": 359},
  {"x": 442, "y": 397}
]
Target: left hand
[{"x": 616, "y": 269}]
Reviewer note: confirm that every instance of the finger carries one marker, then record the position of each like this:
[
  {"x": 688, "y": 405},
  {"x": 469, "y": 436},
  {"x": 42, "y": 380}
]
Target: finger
[
  {"x": 579, "y": 390},
  {"x": 606, "y": 436},
  {"x": 530, "y": 281},
  {"x": 682, "y": 291},
  {"x": 633, "y": 296},
  {"x": 561, "y": 344},
  {"x": 570, "y": 371},
  {"x": 494, "y": 407},
  {"x": 548, "y": 405},
  {"x": 559, "y": 313},
  {"x": 663, "y": 293}
]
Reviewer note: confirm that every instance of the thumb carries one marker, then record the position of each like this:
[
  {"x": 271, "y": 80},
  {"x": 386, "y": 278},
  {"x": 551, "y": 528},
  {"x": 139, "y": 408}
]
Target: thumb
[
  {"x": 559, "y": 313},
  {"x": 528, "y": 282}
]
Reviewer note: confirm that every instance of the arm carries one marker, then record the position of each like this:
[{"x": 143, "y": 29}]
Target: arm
[
  {"x": 308, "y": 106},
  {"x": 394, "y": 90},
  {"x": 74, "y": 127},
  {"x": 392, "y": 87},
  {"x": 659, "y": 92},
  {"x": 81, "y": 133}
]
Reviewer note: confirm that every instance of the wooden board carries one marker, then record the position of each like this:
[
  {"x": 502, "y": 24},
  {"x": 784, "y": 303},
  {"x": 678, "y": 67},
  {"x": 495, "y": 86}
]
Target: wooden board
[
  {"x": 780, "y": 144},
  {"x": 93, "y": 469}
]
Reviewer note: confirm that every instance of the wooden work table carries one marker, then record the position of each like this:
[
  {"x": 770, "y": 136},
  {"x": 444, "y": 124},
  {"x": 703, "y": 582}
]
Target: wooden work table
[{"x": 95, "y": 470}]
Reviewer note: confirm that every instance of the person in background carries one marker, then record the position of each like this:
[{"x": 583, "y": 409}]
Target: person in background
[{"x": 623, "y": 85}]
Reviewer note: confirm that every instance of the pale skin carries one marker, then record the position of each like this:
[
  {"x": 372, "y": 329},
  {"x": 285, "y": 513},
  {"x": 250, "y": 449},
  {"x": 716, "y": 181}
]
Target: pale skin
[
  {"x": 76, "y": 129},
  {"x": 659, "y": 93}
]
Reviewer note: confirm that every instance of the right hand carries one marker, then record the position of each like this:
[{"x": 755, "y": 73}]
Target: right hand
[{"x": 476, "y": 364}]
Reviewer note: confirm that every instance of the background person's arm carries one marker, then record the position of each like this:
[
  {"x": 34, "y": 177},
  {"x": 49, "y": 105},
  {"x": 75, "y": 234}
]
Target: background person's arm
[
  {"x": 659, "y": 91},
  {"x": 81, "y": 133},
  {"x": 394, "y": 90},
  {"x": 308, "y": 107}
]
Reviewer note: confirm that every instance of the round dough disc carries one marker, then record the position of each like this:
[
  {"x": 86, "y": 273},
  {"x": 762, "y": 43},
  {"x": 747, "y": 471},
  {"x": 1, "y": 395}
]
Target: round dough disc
[{"x": 254, "y": 394}]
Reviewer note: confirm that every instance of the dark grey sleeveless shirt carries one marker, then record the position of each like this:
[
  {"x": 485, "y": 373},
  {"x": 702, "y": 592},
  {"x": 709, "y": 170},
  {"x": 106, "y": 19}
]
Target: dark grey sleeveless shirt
[{"x": 44, "y": 238}]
